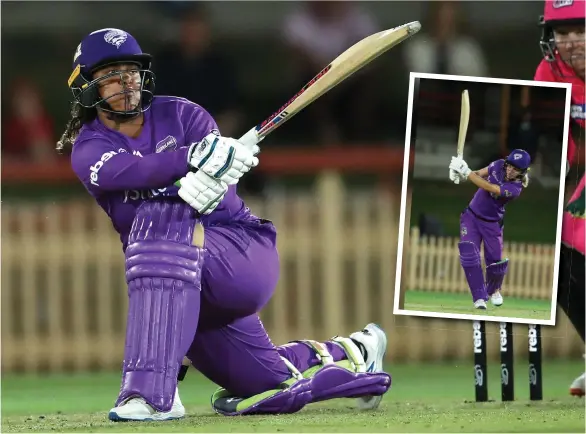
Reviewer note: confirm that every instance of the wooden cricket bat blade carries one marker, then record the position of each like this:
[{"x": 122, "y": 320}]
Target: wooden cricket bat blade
[
  {"x": 464, "y": 120},
  {"x": 343, "y": 66}
]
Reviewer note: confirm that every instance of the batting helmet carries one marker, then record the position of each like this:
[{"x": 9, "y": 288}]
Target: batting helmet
[
  {"x": 102, "y": 48},
  {"x": 555, "y": 13},
  {"x": 519, "y": 159}
]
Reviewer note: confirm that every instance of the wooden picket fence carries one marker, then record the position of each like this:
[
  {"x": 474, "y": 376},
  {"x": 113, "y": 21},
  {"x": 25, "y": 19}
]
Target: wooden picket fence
[
  {"x": 64, "y": 297},
  {"x": 434, "y": 265}
]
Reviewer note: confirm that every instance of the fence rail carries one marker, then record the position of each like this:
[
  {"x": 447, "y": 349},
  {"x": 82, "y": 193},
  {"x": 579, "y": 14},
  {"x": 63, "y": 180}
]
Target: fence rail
[
  {"x": 434, "y": 265},
  {"x": 64, "y": 296}
]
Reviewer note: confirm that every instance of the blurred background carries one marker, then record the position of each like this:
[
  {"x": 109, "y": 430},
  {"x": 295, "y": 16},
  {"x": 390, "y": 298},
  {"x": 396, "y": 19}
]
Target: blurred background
[{"x": 330, "y": 178}]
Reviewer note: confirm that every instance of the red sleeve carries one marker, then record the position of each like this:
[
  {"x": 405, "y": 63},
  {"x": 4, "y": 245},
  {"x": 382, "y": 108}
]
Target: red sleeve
[
  {"x": 544, "y": 73},
  {"x": 571, "y": 148}
]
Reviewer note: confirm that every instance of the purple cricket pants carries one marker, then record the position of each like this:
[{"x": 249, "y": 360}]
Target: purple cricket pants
[
  {"x": 231, "y": 346},
  {"x": 477, "y": 231}
]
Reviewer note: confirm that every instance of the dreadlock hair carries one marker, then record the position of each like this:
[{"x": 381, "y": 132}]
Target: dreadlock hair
[{"x": 79, "y": 117}]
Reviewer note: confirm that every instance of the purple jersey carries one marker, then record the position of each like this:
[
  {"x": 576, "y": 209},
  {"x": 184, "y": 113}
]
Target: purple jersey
[
  {"x": 489, "y": 206},
  {"x": 121, "y": 172}
]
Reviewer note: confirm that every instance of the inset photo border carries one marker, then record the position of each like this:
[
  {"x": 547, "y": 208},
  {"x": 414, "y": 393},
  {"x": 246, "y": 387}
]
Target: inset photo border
[{"x": 479, "y": 235}]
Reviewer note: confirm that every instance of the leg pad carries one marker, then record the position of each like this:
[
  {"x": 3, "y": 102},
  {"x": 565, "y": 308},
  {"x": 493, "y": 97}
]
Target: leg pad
[
  {"x": 332, "y": 381},
  {"x": 495, "y": 274},
  {"x": 472, "y": 265}
]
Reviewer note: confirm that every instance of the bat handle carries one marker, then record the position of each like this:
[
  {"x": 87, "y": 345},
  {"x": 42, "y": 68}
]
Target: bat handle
[{"x": 251, "y": 138}]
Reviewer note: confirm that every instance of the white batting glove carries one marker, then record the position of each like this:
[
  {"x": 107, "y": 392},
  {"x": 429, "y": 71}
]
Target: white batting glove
[
  {"x": 460, "y": 167},
  {"x": 202, "y": 192},
  {"x": 222, "y": 158},
  {"x": 454, "y": 176}
]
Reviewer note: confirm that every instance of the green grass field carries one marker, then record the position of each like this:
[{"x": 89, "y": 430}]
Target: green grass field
[
  {"x": 462, "y": 304},
  {"x": 423, "y": 398}
]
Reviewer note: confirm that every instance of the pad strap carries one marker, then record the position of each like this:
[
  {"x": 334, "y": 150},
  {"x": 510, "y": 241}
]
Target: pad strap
[
  {"x": 320, "y": 349},
  {"x": 352, "y": 352},
  {"x": 294, "y": 371}
]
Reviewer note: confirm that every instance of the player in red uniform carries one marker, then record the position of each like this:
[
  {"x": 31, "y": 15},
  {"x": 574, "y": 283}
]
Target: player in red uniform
[{"x": 562, "y": 44}]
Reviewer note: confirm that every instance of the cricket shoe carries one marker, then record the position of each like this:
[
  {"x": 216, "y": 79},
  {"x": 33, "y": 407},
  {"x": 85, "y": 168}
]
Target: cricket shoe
[
  {"x": 577, "y": 388},
  {"x": 136, "y": 409},
  {"x": 496, "y": 299},
  {"x": 480, "y": 304},
  {"x": 374, "y": 341}
]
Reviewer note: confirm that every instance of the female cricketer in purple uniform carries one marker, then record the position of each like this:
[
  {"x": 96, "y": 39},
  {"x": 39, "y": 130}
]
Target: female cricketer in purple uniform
[
  {"x": 482, "y": 221},
  {"x": 199, "y": 265}
]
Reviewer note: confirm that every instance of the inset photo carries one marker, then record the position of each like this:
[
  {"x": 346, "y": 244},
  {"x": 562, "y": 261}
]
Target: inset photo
[{"x": 485, "y": 191}]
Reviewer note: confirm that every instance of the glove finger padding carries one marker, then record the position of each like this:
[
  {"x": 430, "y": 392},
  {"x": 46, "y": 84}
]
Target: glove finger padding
[
  {"x": 202, "y": 192},
  {"x": 242, "y": 153},
  {"x": 222, "y": 158},
  {"x": 213, "y": 155}
]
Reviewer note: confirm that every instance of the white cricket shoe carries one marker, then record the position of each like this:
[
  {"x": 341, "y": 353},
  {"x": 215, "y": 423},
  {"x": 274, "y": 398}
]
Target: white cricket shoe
[
  {"x": 496, "y": 299},
  {"x": 374, "y": 340},
  {"x": 136, "y": 409},
  {"x": 480, "y": 304},
  {"x": 578, "y": 386}
]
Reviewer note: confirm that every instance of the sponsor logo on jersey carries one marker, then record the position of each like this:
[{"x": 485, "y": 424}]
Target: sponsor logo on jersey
[
  {"x": 136, "y": 195},
  {"x": 562, "y": 3},
  {"x": 578, "y": 111},
  {"x": 97, "y": 166}
]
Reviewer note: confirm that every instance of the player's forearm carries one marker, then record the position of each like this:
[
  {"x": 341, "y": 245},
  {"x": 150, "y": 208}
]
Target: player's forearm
[
  {"x": 484, "y": 184},
  {"x": 129, "y": 172},
  {"x": 483, "y": 173}
]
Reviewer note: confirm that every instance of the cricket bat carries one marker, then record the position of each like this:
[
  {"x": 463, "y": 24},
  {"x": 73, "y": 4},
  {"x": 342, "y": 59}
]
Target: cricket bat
[
  {"x": 343, "y": 66},
  {"x": 464, "y": 119}
]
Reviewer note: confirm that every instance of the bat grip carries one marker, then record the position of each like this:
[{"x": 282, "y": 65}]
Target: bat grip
[{"x": 250, "y": 139}]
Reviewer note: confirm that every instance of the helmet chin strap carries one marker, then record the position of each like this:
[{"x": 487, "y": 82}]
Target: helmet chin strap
[{"x": 117, "y": 116}]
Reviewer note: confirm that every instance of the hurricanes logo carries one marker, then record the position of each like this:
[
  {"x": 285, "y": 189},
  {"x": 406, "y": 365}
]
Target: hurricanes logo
[
  {"x": 116, "y": 37},
  {"x": 77, "y": 53},
  {"x": 168, "y": 142}
]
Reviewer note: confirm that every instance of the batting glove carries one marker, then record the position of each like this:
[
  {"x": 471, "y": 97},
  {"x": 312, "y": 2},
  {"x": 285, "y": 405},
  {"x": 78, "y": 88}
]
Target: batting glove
[
  {"x": 222, "y": 158},
  {"x": 454, "y": 176},
  {"x": 202, "y": 192},
  {"x": 461, "y": 167}
]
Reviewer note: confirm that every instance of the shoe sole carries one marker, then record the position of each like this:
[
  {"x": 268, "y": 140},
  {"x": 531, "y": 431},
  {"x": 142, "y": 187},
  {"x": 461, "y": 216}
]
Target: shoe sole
[
  {"x": 114, "y": 417},
  {"x": 496, "y": 304},
  {"x": 372, "y": 402}
]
